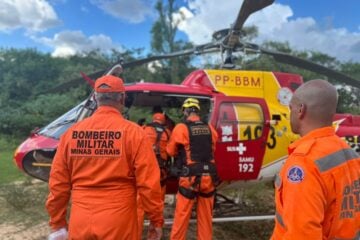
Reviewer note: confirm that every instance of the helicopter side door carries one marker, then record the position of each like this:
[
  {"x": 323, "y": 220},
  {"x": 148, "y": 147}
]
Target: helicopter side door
[{"x": 241, "y": 124}]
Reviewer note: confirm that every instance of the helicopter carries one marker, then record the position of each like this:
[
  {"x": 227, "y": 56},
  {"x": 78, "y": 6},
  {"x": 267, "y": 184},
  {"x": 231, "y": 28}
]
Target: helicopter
[{"x": 248, "y": 109}]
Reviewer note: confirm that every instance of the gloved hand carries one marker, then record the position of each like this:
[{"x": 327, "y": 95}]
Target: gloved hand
[
  {"x": 60, "y": 234},
  {"x": 154, "y": 233}
]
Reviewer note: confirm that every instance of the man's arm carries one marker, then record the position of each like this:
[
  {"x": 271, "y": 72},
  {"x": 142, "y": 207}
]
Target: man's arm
[
  {"x": 178, "y": 137},
  {"x": 59, "y": 188},
  {"x": 303, "y": 201}
]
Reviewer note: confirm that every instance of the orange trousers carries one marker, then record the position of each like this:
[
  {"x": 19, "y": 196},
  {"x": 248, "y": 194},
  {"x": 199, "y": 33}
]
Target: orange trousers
[
  {"x": 102, "y": 221},
  {"x": 204, "y": 211},
  {"x": 141, "y": 213}
]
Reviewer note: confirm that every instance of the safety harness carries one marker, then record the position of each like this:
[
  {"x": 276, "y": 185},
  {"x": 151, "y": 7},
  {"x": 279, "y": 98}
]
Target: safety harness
[
  {"x": 201, "y": 153},
  {"x": 159, "y": 129}
]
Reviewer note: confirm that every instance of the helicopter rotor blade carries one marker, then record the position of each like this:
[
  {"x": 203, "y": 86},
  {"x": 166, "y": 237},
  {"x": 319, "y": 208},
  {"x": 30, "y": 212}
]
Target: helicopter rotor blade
[
  {"x": 199, "y": 49},
  {"x": 311, "y": 66},
  {"x": 249, "y": 7},
  {"x": 73, "y": 83},
  {"x": 196, "y": 50}
]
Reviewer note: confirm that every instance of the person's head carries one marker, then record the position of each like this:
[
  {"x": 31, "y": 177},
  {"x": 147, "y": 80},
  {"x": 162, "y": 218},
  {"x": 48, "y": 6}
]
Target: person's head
[
  {"x": 159, "y": 118},
  {"x": 190, "y": 106},
  {"x": 110, "y": 91},
  {"x": 312, "y": 106}
]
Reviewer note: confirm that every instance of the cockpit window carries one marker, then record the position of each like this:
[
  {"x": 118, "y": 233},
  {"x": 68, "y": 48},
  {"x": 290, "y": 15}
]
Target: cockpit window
[
  {"x": 56, "y": 128},
  {"x": 139, "y": 108}
]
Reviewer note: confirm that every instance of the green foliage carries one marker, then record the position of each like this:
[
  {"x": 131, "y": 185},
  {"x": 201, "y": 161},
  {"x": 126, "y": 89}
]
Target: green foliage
[
  {"x": 26, "y": 73},
  {"x": 19, "y": 121},
  {"x": 349, "y": 100}
]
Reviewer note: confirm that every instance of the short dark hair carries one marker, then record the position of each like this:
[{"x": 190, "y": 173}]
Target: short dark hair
[{"x": 108, "y": 98}]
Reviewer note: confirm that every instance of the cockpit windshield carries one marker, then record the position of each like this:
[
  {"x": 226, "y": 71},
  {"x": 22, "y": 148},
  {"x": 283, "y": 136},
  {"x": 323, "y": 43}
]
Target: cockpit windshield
[{"x": 56, "y": 128}]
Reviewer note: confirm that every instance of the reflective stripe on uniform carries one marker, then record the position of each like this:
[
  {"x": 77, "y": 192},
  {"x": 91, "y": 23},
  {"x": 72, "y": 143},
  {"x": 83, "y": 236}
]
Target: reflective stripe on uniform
[
  {"x": 280, "y": 219},
  {"x": 335, "y": 159}
]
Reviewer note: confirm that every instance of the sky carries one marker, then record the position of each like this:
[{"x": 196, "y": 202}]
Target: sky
[{"x": 67, "y": 27}]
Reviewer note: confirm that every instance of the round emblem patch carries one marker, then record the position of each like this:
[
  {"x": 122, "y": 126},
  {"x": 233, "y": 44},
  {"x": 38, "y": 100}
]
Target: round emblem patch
[{"x": 295, "y": 174}]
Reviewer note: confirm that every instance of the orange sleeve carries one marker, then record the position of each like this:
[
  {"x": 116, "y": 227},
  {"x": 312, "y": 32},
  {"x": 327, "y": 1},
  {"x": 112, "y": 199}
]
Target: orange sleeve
[
  {"x": 147, "y": 175},
  {"x": 179, "y": 136},
  {"x": 59, "y": 187},
  {"x": 301, "y": 202}
]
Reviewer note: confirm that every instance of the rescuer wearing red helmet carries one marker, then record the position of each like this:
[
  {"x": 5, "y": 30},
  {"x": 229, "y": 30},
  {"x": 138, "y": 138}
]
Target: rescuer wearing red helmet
[
  {"x": 103, "y": 163},
  {"x": 318, "y": 188},
  {"x": 193, "y": 142},
  {"x": 158, "y": 135}
]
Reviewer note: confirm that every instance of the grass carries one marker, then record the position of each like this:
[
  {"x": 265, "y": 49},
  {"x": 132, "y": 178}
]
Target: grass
[
  {"x": 8, "y": 170},
  {"x": 21, "y": 198}
]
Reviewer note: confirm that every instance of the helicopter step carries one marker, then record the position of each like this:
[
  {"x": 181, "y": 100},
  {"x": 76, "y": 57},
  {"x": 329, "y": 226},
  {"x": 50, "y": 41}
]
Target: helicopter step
[{"x": 224, "y": 219}]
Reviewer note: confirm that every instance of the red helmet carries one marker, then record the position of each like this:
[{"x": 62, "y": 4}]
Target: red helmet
[{"x": 159, "y": 117}]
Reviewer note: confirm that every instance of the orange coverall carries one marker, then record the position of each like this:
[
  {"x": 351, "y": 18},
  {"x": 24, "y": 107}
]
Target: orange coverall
[
  {"x": 103, "y": 162},
  {"x": 164, "y": 138},
  {"x": 180, "y": 136},
  {"x": 318, "y": 190}
]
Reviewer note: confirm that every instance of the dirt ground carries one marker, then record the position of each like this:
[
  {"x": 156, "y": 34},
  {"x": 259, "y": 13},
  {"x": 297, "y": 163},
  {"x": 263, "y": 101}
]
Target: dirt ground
[
  {"x": 21, "y": 232},
  {"x": 22, "y": 214},
  {"x": 221, "y": 232}
]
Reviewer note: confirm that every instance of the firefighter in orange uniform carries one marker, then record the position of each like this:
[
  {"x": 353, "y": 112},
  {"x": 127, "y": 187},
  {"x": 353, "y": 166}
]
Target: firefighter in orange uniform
[
  {"x": 193, "y": 142},
  {"x": 318, "y": 188},
  {"x": 159, "y": 136},
  {"x": 102, "y": 163}
]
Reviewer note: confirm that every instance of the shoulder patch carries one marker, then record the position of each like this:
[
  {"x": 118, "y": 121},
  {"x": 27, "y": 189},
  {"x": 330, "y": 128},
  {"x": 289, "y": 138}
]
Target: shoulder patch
[{"x": 295, "y": 174}]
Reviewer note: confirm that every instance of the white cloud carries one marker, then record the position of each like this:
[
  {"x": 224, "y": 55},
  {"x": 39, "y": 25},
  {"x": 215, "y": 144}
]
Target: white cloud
[
  {"x": 32, "y": 15},
  {"x": 69, "y": 43},
  {"x": 134, "y": 11},
  {"x": 275, "y": 23}
]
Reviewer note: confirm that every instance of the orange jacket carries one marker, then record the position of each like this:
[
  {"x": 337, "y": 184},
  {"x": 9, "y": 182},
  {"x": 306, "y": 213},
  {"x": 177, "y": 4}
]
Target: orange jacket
[
  {"x": 164, "y": 138},
  {"x": 180, "y": 136},
  {"x": 105, "y": 159},
  {"x": 318, "y": 190}
]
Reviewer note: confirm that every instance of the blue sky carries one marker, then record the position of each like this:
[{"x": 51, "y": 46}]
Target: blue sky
[{"x": 67, "y": 27}]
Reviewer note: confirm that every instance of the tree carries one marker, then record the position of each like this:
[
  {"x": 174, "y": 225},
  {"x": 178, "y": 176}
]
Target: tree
[
  {"x": 163, "y": 41},
  {"x": 25, "y": 73}
]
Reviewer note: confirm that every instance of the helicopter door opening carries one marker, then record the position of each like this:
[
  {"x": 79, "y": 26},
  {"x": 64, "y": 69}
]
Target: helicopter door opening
[
  {"x": 141, "y": 105},
  {"x": 242, "y": 133}
]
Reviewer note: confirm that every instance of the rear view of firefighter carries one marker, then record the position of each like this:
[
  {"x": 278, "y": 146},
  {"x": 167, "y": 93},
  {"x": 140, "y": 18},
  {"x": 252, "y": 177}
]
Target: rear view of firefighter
[
  {"x": 103, "y": 163},
  {"x": 193, "y": 143},
  {"x": 159, "y": 136},
  {"x": 318, "y": 188}
]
